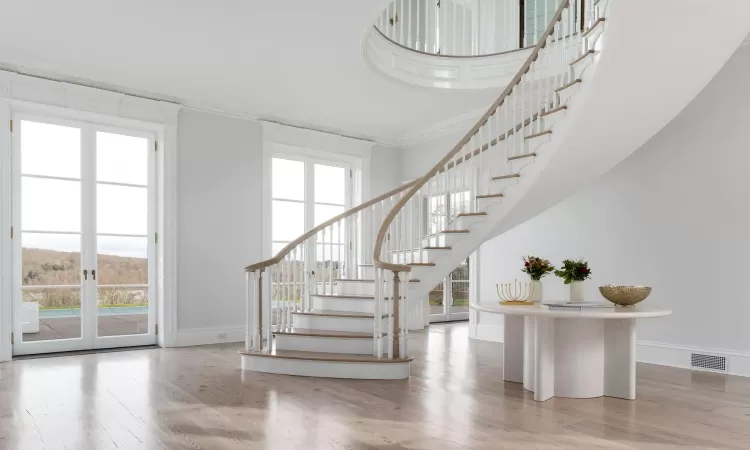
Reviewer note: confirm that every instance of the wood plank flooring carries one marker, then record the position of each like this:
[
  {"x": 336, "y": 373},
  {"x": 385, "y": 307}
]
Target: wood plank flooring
[{"x": 198, "y": 398}]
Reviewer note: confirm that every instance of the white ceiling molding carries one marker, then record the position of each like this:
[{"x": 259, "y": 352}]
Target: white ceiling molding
[
  {"x": 17, "y": 86},
  {"x": 317, "y": 141},
  {"x": 439, "y": 73}
]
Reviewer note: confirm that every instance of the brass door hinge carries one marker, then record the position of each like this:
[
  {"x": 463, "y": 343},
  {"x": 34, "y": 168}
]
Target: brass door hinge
[
  {"x": 11, "y": 232},
  {"x": 350, "y": 173},
  {"x": 11, "y": 126},
  {"x": 12, "y": 338},
  {"x": 156, "y": 329},
  {"x": 156, "y": 238},
  {"x": 156, "y": 145}
]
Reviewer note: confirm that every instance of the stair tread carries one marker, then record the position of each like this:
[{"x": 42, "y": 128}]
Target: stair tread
[
  {"x": 333, "y": 313},
  {"x": 427, "y": 264},
  {"x": 490, "y": 196},
  {"x": 595, "y": 24},
  {"x": 318, "y": 356},
  {"x": 472, "y": 214},
  {"x": 582, "y": 57},
  {"x": 454, "y": 231},
  {"x": 554, "y": 110},
  {"x": 352, "y": 296},
  {"x": 325, "y": 333},
  {"x": 572, "y": 83},
  {"x": 528, "y": 155},
  {"x": 505, "y": 177},
  {"x": 541, "y": 133},
  {"x": 438, "y": 248}
]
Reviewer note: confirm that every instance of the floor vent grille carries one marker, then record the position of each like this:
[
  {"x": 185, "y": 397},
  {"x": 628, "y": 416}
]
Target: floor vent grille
[{"x": 708, "y": 362}]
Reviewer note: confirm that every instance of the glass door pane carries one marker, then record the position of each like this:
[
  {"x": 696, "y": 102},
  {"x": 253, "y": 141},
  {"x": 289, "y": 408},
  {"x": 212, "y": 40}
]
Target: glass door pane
[
  {"x": 437, "y": 302},
  {"x": 122, "y": 221},
  {"x": 49, "y": 204},
  {"x": 459, "y": 304}
]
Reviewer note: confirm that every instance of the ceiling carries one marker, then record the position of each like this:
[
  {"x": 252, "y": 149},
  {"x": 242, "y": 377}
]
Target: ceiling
[{"x": 293, "y": 61}]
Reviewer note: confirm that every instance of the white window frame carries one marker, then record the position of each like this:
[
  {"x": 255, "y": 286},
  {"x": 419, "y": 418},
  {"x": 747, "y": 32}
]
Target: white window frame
[
  {"x": 89, "y": 338},
  {"x": 302, "y": 155}
]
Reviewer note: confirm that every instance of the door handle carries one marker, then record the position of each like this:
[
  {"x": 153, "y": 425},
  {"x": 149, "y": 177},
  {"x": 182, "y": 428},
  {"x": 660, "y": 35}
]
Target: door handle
[
  {"x": 93, "y": 274},
  {"x": 85, "y": 274}
]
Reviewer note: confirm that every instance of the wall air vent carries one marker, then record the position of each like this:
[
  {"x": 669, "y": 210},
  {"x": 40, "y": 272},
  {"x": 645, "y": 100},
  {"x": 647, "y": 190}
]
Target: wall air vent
[{"x": 708, "y": 362}]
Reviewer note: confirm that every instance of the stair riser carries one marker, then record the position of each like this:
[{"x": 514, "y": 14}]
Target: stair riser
[
  {"x": 582, "y": 65},
  {"x": 413, "y": 256},
  {"x": 337, "y": 304},
  {"x": 363, "y": 346},
  {"x": 355, "y": 287},
  {"x": 499, "y": 186},
  {"x": 566, "y": 94},
  {"x": 467, "y": 222},
  {"x": 550, "y": 120},
  {"x": 334, "y": 323},
  {"x": 443, "y": 240},
  {"x": 518, "y": 164},
  {"x": 327, "y": 369}
]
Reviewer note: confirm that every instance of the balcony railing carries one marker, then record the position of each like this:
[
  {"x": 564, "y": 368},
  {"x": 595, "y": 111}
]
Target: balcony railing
[{"x": 465, "y": 28}]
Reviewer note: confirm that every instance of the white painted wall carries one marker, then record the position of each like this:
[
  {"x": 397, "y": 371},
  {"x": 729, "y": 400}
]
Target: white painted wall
[
  {"x": 675, "y": 215},
  {"x": 418, "y": 158},
  {"x": 385, "y": 169},
  {"x": 220, "y": 199},
  {"x": 219, "y": 196}
]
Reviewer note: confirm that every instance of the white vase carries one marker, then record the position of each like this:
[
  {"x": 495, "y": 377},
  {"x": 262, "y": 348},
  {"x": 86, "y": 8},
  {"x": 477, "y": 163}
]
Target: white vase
[
  {"x": 536, "y": 285},
  {"x": 576, "y": 291}
]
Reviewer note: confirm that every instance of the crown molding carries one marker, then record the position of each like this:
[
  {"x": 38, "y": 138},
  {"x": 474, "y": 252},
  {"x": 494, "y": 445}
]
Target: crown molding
[{"x": 84, "y": 94}]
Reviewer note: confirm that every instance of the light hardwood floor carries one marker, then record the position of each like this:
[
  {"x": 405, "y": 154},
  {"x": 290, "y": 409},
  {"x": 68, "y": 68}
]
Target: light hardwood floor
[{"x": 197, "y": 398}]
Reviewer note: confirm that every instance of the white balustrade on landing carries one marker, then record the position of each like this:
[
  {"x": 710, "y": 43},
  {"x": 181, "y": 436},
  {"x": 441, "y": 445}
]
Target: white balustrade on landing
[
  {"x": 502, "y": 140},
  {"x": 472, "y": 27}
]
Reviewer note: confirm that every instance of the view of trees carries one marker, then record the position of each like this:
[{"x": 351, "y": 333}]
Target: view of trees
[{"x": 48, "y": 267}]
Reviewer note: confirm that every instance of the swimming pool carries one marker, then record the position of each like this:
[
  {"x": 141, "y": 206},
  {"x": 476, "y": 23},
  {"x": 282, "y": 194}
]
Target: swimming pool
[{"x": 105, "y": 311}]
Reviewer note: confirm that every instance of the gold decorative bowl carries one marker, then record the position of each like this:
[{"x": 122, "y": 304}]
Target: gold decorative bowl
[{"x": 625, "y": 295}]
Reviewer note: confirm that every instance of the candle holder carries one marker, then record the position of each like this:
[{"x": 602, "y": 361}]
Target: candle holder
[{"x": 515, "y": 293}]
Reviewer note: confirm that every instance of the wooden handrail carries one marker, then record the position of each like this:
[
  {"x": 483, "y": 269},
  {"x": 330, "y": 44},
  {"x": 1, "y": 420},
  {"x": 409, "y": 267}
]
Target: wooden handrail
[
  {"x": 383, "y": 231},
  {"x": 289, "y": 247}
]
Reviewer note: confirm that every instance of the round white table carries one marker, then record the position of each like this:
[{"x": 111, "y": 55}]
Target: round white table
[{"x": 575, "y": 354}]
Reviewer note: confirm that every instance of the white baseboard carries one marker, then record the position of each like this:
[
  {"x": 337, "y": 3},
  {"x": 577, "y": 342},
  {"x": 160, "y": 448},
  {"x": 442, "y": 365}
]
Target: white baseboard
[
  {"x": 204, "y": 336},
  {"x": 738, "y": 363}
]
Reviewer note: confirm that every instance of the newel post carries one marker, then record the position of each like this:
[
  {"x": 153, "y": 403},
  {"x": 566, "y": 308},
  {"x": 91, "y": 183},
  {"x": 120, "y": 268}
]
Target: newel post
[
  {"x": 396, "y": 315},
  {"x": 259, "y": 316}
]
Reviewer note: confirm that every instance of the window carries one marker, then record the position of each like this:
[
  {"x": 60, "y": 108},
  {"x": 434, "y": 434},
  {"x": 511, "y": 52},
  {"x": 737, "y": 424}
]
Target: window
[{"x": 449, "y": 300}]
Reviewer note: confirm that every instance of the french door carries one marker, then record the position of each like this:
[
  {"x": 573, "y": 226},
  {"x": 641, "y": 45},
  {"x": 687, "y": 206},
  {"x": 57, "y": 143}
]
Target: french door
[
  {"x": 83, "y": 236},
  {"x": 449, "y": 300}
]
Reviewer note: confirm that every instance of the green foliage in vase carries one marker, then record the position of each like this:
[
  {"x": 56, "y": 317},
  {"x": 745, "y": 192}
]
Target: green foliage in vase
[
  {"x": 574, "y": 271},
  {"x": 536, "y": 267}
]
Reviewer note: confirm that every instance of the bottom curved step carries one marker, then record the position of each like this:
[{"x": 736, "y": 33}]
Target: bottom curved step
[{"x": 327, "y": 365}]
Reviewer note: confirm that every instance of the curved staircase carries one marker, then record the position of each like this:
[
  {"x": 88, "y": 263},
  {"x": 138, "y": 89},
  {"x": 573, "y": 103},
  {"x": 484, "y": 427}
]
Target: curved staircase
[{"x": 339, "y": 301}]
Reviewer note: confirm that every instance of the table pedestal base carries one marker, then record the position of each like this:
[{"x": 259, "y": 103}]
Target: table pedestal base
[{"x": 575, "y": 358}]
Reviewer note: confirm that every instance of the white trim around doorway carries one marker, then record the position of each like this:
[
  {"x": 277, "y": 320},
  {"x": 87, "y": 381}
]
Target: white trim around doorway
[{"x": 20, "y": 93}]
